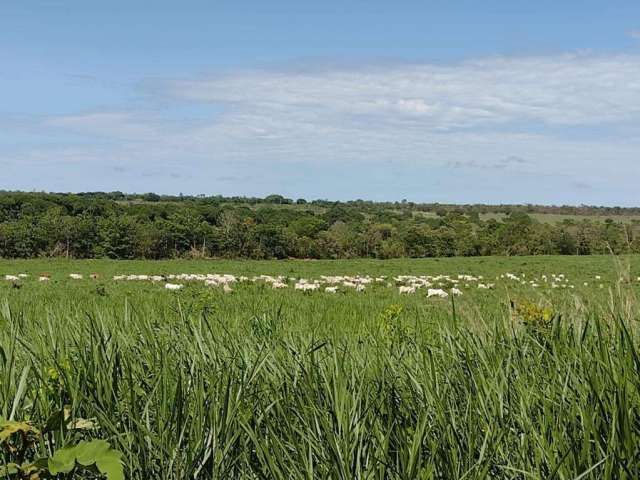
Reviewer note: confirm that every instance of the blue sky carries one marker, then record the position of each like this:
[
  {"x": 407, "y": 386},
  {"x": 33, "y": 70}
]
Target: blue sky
[{"x": 450, "y": 101}]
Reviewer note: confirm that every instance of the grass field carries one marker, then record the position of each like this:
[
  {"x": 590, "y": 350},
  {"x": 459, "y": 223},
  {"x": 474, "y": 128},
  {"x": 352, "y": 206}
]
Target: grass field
[
  {"x": 552, "y": 217},
  {"x": 560, "y": 217},
  {"x": 522, "y": 380}
]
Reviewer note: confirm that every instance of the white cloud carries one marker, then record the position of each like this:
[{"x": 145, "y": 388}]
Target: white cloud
[
  {"x": 563, "y": 90},
  {"x": 573, "y": 118},
  {"x": 635, "y": 34}
]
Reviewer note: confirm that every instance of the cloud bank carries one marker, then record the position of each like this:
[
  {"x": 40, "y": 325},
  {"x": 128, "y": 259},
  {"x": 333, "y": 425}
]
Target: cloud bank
[{"x": 541, "y": 128}]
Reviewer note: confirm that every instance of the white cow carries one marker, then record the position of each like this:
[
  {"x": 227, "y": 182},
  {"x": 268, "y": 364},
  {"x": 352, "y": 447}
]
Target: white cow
[{"x": 437, "y": 292}]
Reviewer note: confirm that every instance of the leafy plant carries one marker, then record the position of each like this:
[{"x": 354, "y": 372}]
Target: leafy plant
[
  {"x": 94, "y": 453},
  {"x": 532, "y": 314},
  {"x": 20, "y": 439}
]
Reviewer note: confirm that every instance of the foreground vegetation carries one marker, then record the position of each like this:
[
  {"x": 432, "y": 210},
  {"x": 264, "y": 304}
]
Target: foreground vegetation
[
  {"x": 149, "y": 226},
  {"x": 514, "y": 382}
]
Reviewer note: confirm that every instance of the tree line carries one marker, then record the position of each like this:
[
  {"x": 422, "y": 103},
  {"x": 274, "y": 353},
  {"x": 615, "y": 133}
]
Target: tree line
[{"x": 150, "y": 226}]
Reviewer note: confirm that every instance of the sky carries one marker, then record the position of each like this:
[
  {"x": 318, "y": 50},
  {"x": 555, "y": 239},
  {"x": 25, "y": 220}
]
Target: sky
[{"x": 430, "y": 101}]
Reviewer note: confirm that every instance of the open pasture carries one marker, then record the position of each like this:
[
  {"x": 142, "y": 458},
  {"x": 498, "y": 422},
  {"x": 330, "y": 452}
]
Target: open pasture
[{"x": 534, "y": 374}]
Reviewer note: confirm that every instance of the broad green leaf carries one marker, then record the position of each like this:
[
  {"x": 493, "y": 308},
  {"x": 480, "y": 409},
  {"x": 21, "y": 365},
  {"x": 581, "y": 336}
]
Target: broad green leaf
[
  {"x": 88, "y": 453},
  {"x": 63, "y": 460},
  {"x": 111, "y": 465},
  {"x": 98, "y": 452}
]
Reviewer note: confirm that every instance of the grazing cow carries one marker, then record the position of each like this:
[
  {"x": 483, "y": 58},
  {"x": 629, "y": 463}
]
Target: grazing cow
[
  {"x": 437, "y": 292},
  {"x": 405, "y": 289}
]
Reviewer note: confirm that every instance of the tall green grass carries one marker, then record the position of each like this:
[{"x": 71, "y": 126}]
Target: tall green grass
[{"x": 197, "y": 388}]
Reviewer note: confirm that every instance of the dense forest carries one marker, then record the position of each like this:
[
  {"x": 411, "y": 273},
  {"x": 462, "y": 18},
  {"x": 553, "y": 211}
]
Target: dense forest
[{"x": 125, "y": 226}]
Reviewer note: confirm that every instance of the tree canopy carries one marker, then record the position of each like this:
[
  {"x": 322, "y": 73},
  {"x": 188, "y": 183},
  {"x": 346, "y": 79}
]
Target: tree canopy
[{"x": 124, "y": 226}]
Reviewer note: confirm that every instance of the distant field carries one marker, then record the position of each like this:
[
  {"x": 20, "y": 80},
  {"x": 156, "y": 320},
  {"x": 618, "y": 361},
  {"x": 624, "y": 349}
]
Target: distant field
[
  {"x": 532, "y": 265},
  {"x": 532, "y": 368},
  {"x": 60, "y": 288},
  {"x": 552, "y": 217},
  {"x": 557, "y": 217}
]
